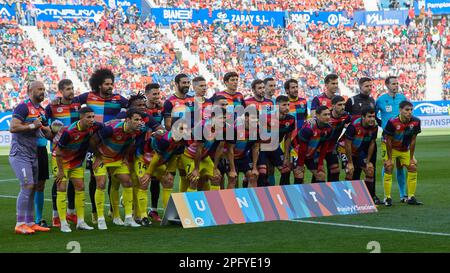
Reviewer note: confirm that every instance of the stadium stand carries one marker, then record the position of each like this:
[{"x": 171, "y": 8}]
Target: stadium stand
[
  {"x": 137, "y": 53},
  {"x": 254, "y": 52},
  {"x": 376, "y": 52},
  {"x": 21, "y": 62}
]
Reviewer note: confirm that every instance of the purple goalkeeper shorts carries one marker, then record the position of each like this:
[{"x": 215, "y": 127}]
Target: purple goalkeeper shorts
[{"x": 26, "y": 170}]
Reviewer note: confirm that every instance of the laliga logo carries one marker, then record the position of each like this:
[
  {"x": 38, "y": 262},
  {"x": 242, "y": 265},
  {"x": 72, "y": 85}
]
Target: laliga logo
[
  {"x": 432, "y": 109},
  {"x": 4, "y": 11}
]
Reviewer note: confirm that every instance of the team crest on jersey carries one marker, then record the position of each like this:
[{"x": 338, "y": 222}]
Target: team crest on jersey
[
  {"x": 94, "y": 98},
  {"x": 33, "y": 112},
  {"x": 411, "y": 126},
  {"x": 315, "y": 133},
  {"x": 324, "y": 103},
  {"x": 398, "y": 127},
  {"x": 359, "y": 132},
  {"x": 59, "y": 110},
  {"x": 77, "y": 137},
  {"x": 119, "y": 137},
  {"x": 76, "y": 107}
]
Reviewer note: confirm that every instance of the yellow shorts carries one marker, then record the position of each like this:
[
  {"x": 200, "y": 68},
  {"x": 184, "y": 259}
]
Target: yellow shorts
[
  {"x": 403, "y": 157},
  {"x": 75, "y": 173},
  {"x": 115, "y": 168},
  {"x": 174, "y": 164},
  {"x": 206, "y": 166},
  {"x": 140, "y": 168}
]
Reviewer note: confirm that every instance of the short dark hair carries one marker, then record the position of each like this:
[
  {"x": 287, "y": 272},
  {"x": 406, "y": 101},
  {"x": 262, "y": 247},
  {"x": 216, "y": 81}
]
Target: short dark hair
[
  {"x": 133, "y": 98},
  {"x": 268, "y": 79},
  {"x": 321, "y": 108},
  {"x": 85, "y": 109},
  {"x": 63, "y": 83},
  {"x": 179, "y": 77},
  {"x": 282, "y": 98},
  {"x": 133, "y": 111},
  {"x": 151, "y": 86},
  {"x": 199, "y": 79},
  {"x": 99, "y": 77},
  {"x": 363, "y": 80},
  {"x": 256, "y": 82},
  {"x": 229, "y": 75},
  {"x": 217, "y": 98},
  {"x": 388, "y": 79},
  {"x": 405, "y": 103},
  {"x": 367, "y": 110},
  {"x": 337, "y": 99},
  {"x": 287, "y": 84},
  {"x": 330, "y": 77}
]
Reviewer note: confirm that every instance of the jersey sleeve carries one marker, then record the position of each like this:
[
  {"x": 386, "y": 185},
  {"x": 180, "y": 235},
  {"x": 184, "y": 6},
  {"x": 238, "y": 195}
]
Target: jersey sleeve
[
  {"x": 315, "y": 103},
  {"x": 389, "y": 129},
  {"x": 64, "y": 139},
  {"x": 417, "y": 128},
  {"x": 21, "y": 112},
  {"x": 167, "y": 109},
  {"x": 82, "y": 99},
  {"x": 350, "y": 132},
  {"x": 305, "y": 134},
  {"x": 106, "y": 132},
  {"x": 123, "y": 102},
  {"x": 152, "y": 123},
  {"x": 48, "y": 112}
]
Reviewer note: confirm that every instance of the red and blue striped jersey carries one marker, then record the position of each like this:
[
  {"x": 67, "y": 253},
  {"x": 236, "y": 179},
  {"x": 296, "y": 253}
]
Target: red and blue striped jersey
[
  {"x": 176, "y": 108},
  {"x": 338, "y": 124},
  {"x": 66, "y": 113},
  {"x": 321, "y": 99},
  {"x": 360, "y": 136},
  {"x": 311, "y": 138},
  {"x": 232, "y": 99},
  {"x": 156, "y": 113},
  {"x": 115, "y": 141},
  {"x": 74, "y": 143},
  {"x": 104, "y": 109},
  {"x": 209, "y": 140},
  {"x": 260, "y": 105},
  {"x": 402, "y": 133},
  {"x": 165, "y": 146}
]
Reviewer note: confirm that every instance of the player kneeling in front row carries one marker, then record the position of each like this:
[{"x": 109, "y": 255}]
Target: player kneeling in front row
[
  {"x": 71, "y": 146},
  {"x": 359, "y": 147},
  {"x": 401, "y": 133}
]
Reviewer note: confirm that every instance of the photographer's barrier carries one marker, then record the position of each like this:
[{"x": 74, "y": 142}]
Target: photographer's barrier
[{"x": 249, "y": 205}]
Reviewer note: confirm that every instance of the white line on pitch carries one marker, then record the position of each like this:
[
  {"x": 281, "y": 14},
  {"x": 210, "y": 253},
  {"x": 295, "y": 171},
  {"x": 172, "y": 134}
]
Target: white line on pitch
[{"x": 370, "y": 227}]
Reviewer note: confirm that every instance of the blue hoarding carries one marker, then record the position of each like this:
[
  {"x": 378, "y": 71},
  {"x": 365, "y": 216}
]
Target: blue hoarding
[
  {"x": 437, "y": 6},
  {"x": 5, "y": 120},
  {"x": 431, "y": 108},
  {"x": 381, "y": 18},
  {"x": 166, "y": 16},
  {"x": 7, "y": 11},
  {"x": 330, "y": 18},
  {"x": 55, "y": 12}
]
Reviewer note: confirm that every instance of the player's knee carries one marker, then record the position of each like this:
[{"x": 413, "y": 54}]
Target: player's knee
[
  {"x": 320, "y": 176},
  {"x": 412, "y": 168},
  {"x": 262, "y": 170},
  {"x": 388, "y": 169},
  {"x": 167, "y": 182},
  {"x": 334, "y": 169}
]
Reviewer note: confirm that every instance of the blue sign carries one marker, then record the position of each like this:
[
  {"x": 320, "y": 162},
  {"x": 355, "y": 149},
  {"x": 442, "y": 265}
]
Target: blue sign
[
  {"x": 381, "y": 18},
  {"x": 5, "y": 121},
  {"x": 437, "y": 6},
  {"x": 7, "y": 11},
  {"x": 55, "y": 12},
  {"x": 166, "y": 16},
  {"x": 431, "y": 108},
  {"x": 330, "y": 18},
  {"x": 256, "y": 18}
]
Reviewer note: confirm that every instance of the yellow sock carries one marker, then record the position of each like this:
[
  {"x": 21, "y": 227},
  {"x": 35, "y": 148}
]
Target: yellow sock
[
  {"x": 184, "y": 184},
  {"x": 142, "y": 201},
  {"x": 191, "y": 189},
  {"x": 207, "y": 186},
  {"x": 100, "y": 202},
  {"x": 412, "y": 183},
  {"x": 79, "y": 204},
  {"x": 114, "y": 197},
  {"x": 136, "y": 207},
  {"x": 166, "y": 196},
  {"x": 61, "y": 204},
  {"x": 215, "y": 188},
  {"x": 128, "y": 201},
  {"x": 387, "y": 185}
]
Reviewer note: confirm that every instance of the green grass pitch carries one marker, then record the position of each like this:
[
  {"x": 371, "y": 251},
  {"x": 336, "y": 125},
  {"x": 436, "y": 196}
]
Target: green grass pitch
[{"x": 401, "y": 228}]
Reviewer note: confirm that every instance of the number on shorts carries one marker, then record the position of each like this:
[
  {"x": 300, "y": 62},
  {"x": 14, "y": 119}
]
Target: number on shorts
[
  {"x": 189, "y": 168},
  {"x": 24, "y": 172}
]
